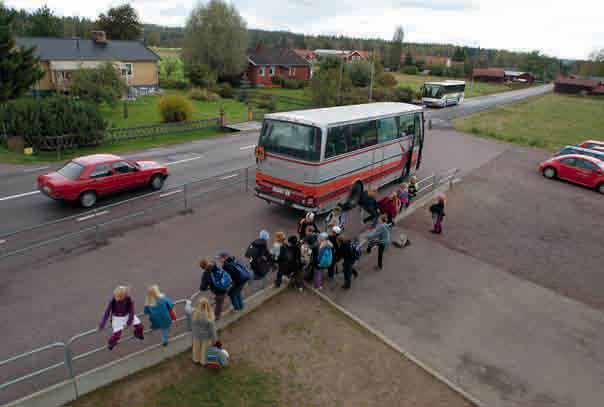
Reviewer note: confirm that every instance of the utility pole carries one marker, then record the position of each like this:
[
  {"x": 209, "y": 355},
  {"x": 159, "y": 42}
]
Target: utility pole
[
  {"x": 372, "y": 74},
  {"x": 339, "y": 100}
]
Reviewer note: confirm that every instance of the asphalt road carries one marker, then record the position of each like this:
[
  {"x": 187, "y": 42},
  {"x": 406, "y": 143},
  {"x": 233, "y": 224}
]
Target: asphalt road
[{"x": 22, "y": 206}]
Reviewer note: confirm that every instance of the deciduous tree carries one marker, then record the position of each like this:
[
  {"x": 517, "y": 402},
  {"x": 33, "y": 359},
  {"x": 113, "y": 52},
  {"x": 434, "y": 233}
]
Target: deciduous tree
[
  {"x": 396, "y": 49},
  {"x": 216, "y": 36},
  {"x": 120, "y": 23},
  {"x": 98, "y": 85},
  {"x": 43, "y": 23}
]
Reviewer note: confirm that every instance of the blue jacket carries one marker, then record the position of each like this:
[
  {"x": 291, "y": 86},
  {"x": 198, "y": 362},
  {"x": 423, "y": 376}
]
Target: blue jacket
[{"x": 159, "y": 314}]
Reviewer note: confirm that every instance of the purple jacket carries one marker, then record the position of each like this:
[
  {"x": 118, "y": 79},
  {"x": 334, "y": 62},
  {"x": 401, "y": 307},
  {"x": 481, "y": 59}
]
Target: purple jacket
[{"x": 119, "y": 309}]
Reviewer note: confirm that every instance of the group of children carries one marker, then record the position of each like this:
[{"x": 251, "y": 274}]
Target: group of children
[{"x": 206, "y": 348}]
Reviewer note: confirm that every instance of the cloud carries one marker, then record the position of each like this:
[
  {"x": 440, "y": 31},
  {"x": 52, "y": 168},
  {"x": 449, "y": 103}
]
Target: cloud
[
  {"x": 439, "y": 5},
  {"x": 177, "y": 11}
]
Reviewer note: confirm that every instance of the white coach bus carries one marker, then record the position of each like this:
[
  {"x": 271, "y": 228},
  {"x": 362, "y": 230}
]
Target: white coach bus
[
  {"x": 313, "y": 159},
  {"x": 442, "y": 94}
]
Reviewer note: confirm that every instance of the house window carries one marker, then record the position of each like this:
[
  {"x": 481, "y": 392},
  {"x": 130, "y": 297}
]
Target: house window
[
  {"x": 127, "y": 69},
  {"x": 271, "y": 71},
  {"x": 292, "y": 71},
  {"x": 261, "y": 71}
]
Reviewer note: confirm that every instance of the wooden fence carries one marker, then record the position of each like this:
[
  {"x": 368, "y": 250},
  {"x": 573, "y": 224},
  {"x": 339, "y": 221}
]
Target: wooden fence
[{"x": 119, "y": 134}]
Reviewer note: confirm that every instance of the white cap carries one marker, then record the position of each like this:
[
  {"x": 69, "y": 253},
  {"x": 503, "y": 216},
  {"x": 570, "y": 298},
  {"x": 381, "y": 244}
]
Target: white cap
[
  {"x": 310, "y": 216},
  {"x": 337, "y": 230}
]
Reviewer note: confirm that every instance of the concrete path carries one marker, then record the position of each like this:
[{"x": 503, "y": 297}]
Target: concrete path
[{"x": 506, "y": 341}]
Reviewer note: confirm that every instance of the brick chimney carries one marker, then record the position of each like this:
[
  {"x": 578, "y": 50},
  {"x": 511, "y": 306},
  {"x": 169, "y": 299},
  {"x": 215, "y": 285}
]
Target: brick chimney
[{"x": 99, "y": 37}]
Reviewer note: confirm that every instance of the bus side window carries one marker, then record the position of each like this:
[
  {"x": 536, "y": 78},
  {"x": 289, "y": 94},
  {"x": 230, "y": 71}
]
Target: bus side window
[
  {"x": 406, "y": 125},
  {"x": 387, "y": 129},
  {"x": 336, "y": 141}
]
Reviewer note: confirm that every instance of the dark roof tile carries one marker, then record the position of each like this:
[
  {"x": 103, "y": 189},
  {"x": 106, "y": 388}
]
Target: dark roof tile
[{"x": 276, "y": 56}]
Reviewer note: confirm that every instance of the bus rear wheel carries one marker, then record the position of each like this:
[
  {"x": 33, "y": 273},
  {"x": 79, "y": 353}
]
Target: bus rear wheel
[{"x": 355, "y": 194}]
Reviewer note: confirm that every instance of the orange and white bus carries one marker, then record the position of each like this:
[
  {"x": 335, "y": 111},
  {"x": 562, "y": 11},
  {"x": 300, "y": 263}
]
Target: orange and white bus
[{"x": 314, "y": 159}]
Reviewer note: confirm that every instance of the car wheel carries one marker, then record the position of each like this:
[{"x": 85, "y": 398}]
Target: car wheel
[
  {"x": 157, "y": 182},
  {"x": 88, "y": 199},
  {"x": 549, "y": 172},
  {"x": 600, "y": 188}
]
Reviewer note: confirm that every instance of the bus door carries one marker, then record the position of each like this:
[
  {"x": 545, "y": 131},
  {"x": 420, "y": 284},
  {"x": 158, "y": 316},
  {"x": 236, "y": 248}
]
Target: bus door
[{"x": 418, "y": 144}]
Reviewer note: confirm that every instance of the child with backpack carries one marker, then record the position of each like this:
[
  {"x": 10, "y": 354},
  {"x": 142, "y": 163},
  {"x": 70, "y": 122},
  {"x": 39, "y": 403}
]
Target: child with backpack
[
  {"x": 324, "y": 260},
  {"x": 389, "y": 206},
  {"x": 203, "y": 330},
  {"x": 217, "y": 281},
  {"x": 259, "y": 255},
  {"x": 161, "y": 312},
  {"x": 351, "y": 251},
  {"x": 412, "y": 188},
  {"x": 403, "y": 196},
  {"x": 121, "y": 310},
  {"x": 438, "y": 213},
  {"x": 240, "y": 275}
]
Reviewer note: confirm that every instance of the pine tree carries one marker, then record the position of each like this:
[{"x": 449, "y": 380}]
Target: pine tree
[{"x": 19, "y": 68}]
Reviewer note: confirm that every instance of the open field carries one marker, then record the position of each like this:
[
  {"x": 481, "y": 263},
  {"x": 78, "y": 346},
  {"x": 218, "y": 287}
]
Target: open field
[
  {"x": 550, "y": 121},
  {"x": 472, "y": 89},
  {"x": 294, "y": 351}
]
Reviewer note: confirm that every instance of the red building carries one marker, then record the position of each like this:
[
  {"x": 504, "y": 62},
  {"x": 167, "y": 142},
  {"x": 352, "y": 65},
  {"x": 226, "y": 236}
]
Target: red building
[
  {"x": 489, "y": 74},
  {"x": 266, "y": 63},
  {"x": 575, "y": 85},
  {"x": 307, "y": 54}
]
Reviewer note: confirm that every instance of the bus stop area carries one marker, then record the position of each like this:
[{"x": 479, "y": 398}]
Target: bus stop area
[{"x": 468, "y": 303}]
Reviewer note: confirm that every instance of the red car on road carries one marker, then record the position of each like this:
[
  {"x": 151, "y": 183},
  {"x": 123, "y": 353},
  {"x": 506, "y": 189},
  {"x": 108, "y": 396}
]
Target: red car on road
[
  {"x": 580, "y": 169},
  {"x": 85, "y": 179}
]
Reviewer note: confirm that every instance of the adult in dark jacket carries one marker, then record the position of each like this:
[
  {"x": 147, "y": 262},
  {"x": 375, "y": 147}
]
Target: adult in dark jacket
[
  {"x": 259, "y": 255},
  {"x": 207, "y": 284},
  {"x": 348, "y": 256},
  {"x": 289, "y": 262},
  {"x": 229, "y": 265},
  {"x": 337, "y": 251},
  {"x": 368, "y": 202}
]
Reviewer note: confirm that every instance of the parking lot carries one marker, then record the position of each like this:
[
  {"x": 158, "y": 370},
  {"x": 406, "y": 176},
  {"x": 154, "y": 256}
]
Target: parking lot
[{"x": 548, "y": 232}]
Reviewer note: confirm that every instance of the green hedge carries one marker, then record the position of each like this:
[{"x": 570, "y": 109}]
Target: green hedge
[{"x": 36, "y": 119}]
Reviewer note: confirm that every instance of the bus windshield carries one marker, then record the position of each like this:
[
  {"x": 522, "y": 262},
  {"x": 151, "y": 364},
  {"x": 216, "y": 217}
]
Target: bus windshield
[
  {"x": 292, "y": 139},
  {"x": 433, "y": 91}
]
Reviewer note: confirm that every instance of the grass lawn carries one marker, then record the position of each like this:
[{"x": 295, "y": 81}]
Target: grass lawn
[
  {"x": 145, "y": 111},
  {"x": 302, "y": 94},
  {"x": 550, "y": 121},
  {"x": 472, "y": 89},
  {"x": 10, "y": 157}
]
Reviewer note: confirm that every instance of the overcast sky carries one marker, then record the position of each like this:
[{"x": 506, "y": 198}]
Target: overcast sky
[{"x": 559, "y": 28}]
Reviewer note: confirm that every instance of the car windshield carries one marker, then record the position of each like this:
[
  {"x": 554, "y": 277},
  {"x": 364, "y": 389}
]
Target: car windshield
[
  {"x": 432, "y": 91},
  {"x": 71, "y": 170},
  {"x": 296, "y": 140}
]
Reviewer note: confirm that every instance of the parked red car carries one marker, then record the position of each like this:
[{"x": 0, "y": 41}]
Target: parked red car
[
  {"x": 592, "y": 144},
  {"x": 580, "y": 169},
  {"x": 85, "y": 179}
]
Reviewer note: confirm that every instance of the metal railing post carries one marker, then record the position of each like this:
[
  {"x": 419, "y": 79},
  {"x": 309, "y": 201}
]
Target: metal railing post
[
  {"x": 70, "y": 370},
  {"x": 184, "y": 196}
]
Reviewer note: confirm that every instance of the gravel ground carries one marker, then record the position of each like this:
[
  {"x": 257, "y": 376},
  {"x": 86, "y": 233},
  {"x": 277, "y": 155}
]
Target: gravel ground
[{"x": 548, "y": 232}]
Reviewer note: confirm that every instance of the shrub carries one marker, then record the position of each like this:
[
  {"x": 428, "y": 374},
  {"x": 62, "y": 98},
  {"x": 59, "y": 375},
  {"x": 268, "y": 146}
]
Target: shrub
[
  {"x": 173, "y": 84},
  {"x": 201, "y": 76},
  {"x": 292, "y": 84},
  {"x": 36, "y": 119},
  {"x": 356, "y": 96},
  {"x": 456, "y": 71},
  {"x": 382, "y": 95},
  {"x": 267, "y": 102},
  {"x": 203, "y": 95},
  {"x": 226, "y": 90},
  {"x": 387, "y": 80},
  {"x": 438, "y": 70},
  {"x": 403, "y": 94},
  {"x": 410, "y": 70},
  {"x": 277, "y": 80},
  {"x": 175, "y": 108},
  {"x": 98, "y": 85},
  {"x": 171, "y": 68},
  {"x": 360, "y": 73}
]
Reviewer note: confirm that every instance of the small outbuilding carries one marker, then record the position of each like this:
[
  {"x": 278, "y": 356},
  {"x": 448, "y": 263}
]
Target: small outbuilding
[{"x": 489, "y": 74}]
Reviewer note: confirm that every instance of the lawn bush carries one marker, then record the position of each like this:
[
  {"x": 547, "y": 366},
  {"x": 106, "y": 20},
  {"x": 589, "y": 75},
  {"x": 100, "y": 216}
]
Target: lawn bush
[
  {"x": 36, "y": 119},
  {"x": 175, "y": 108},
  {"x": 383, "y": 95},
  {"x": 203, "y": 95},
  {"x": 173, "y": 84},
  {"x": 171, "y": 68},
  {"x": 267, "y": 102},
  {"x": 410, "y": 70},
  {"x": 456, "y": 71},
  {"x": 292, "y": 84},
  {"x": 277, "y": 80},
  {"x": 360, "y": 73},
  {"x": 226, "y": 90},
  {"x": 355, "y": 96},
  {"x": 98, "y": 85},
  {"x": 403, "y": 94},
  {"x": 438, "y": 70},
  {"x": 201, "y": 76},
  {"x": 387, "y": 80}
]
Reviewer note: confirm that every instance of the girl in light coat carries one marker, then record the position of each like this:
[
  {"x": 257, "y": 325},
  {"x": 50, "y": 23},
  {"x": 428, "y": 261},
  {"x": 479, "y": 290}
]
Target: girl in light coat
[{"x": 203, "y": 330}]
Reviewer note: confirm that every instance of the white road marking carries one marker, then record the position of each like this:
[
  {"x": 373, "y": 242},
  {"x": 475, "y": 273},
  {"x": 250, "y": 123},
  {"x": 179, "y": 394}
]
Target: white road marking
[
  {"x": 247, "y": 147},
  {"x": 230, "y": 176},
  {"x": 92, "y": 215},
  {"x": 186, "y": 160},
  {"x": 6, "y": 198},
  {"x": 36, "y": 169},
  {"x": 2, "y": 241},
  {"x": 170, "y": 193}
]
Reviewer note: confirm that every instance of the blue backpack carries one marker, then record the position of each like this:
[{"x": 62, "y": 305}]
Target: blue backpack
[
  {"x": 244, "y": 273},
  {"x": 221, "y": 279},
  {"x": 325, "y": 257},
  {"x": 355, "y": 250}
]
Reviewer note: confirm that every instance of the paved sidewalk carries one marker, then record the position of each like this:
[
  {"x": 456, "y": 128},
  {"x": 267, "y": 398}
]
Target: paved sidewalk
[{"x": 506, "y": 341}]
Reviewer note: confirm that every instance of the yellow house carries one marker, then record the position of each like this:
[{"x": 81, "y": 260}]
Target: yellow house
[{"x": 60, "y": 57}]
